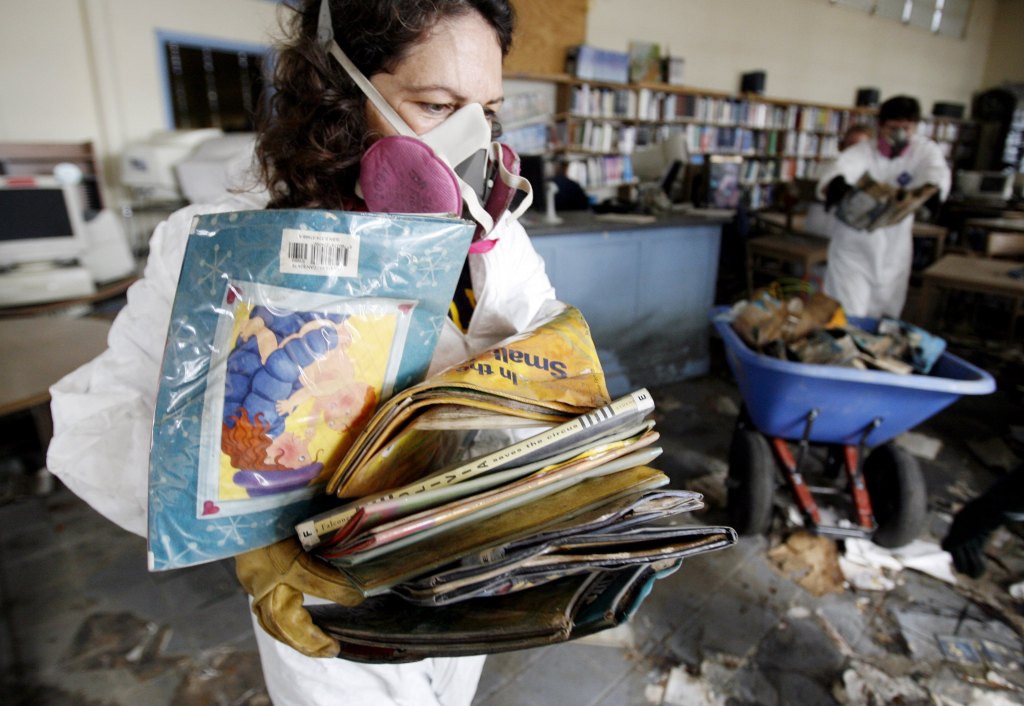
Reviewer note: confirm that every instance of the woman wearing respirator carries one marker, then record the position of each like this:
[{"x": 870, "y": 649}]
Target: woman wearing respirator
[{"x": 379, "y": 106}]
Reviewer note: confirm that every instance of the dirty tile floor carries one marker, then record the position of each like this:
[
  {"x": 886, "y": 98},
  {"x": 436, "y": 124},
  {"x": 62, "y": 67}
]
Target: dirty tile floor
[{"x": 85, "y": 623}]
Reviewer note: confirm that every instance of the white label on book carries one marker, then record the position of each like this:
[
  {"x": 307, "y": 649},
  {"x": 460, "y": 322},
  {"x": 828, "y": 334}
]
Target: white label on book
[{"x": 307, "y": 252}]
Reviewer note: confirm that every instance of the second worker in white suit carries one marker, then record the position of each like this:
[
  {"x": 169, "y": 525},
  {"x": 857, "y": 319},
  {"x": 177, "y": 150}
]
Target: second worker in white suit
[{"x": 869, "y": 271}]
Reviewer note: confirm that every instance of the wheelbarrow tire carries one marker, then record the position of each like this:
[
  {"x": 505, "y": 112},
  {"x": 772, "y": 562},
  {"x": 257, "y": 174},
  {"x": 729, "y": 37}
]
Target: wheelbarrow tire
[
  {"x": 751, "y": 485},
  {"x": 898, "y": 495}
]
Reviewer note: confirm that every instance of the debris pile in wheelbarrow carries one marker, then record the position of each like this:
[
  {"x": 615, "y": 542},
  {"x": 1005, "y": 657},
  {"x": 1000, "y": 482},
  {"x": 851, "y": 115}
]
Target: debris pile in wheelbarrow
[{"x": 815, "y": 330}]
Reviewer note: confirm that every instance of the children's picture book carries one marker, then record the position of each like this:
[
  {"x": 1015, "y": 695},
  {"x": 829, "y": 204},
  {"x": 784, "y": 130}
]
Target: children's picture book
[{"x": 288, "y": 331}]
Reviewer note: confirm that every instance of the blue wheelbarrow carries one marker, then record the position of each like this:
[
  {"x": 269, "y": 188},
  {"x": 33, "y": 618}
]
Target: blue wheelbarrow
[{"x": 854, "y": 414}]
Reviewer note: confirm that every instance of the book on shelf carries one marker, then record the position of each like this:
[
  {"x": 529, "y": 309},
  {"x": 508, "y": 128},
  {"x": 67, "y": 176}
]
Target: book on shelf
[
  {"x": 284, "y": 337},
  {"x": 644, "y": 62}
]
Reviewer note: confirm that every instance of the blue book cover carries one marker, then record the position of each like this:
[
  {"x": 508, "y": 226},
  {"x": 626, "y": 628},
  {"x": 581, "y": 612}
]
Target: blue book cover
[{"x": 288, "y": 330}]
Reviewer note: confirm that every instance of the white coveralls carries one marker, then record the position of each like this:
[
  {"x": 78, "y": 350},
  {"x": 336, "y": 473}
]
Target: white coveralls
[
  {"x": 869, "y": 272},
  {"x": 102, "y": 426}
]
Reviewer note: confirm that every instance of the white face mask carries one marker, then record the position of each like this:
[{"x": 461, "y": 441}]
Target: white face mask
[{"x": 484, "y": 172}]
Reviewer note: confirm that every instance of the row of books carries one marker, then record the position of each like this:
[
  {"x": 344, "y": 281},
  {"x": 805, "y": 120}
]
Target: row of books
[
  {"x": 770, "y": 171},
  {"x": 590, "y": 136},
  {"x": 597, "y": 172},
  {"x": 603, "y": 102},
  {"x": 710, "y": 139},
  {"x": 940, "y": 131},
  {"x": 657, "y": 106}
]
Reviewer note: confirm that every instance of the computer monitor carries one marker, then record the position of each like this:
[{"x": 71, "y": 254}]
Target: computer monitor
[
  {"x": 40, "y": 221},
  {"x": 661, "y": 163}
]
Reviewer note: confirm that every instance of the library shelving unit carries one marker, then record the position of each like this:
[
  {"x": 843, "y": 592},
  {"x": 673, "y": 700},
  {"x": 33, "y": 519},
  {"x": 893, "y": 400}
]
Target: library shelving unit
[
  {"x": 956, "y": 137},
  {"x": 596, "y": 126}
]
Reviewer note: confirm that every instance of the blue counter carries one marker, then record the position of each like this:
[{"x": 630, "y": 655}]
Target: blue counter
[{"x": 645, "y": 289}]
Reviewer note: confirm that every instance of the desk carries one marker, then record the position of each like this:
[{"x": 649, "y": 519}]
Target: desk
[
  {"x": 1013, "y": 225},
  {"x": 777, "y": 222},
  {"x": 971, "y": 274},
  {"x": 36, "y": 352},
  {"x": 108, "y": 291},
  {"x": 803, "y": 250}
]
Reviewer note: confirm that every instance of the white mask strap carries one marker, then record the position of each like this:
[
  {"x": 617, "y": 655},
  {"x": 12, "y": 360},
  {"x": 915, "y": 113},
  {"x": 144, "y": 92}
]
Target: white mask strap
[
  {"x": 325, "y": 35},
  {"x": 514, "y": 181}
]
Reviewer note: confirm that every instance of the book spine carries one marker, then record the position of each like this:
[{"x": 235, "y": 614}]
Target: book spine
[{"x": 637, "y": 404}]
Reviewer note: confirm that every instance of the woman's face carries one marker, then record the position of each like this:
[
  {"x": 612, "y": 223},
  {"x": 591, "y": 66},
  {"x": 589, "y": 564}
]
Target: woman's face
[{"x": 458, "y": 63}]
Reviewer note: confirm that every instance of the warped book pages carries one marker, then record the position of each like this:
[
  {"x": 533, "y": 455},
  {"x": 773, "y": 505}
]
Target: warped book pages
[
  {"x": 531, "y": 542},
  {"x": 570, "y": 470},
  {"x": 871, "y": 204},
  {"x": 388, "y": 629},
  {"x": 542, "y": 376},
  {"x": 556, "y": 454},
  {"x": 288, "y": 330}
]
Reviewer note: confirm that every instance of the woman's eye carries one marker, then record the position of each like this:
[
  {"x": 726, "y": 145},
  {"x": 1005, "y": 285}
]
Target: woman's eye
[{"x": 435, "y": 109}]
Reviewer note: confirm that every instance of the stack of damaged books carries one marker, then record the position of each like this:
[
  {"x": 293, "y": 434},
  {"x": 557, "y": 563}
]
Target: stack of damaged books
[
  {"x": 556, "y": 534},
  {"x": 814, "y": 329}
]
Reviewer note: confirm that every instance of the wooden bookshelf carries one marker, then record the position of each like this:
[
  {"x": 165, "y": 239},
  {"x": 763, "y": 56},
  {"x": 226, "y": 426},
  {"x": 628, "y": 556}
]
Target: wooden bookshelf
[{"x": 600, "y": 123}]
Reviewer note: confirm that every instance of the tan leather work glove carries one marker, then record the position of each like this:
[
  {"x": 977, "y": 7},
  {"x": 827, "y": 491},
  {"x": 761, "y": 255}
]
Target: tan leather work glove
[{"x": 276, "y": 577}]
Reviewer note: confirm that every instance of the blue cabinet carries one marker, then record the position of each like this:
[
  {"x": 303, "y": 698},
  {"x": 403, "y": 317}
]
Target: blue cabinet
[{"x": 646, "y": 293}]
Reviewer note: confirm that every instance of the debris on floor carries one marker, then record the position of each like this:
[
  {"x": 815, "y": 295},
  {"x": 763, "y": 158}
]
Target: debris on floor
[
  {"x": 685, "y": 689},
  {"x": 120, "y": 640},
  {"x": 224, "y": 676},
  {"x": 920, "y": 445},
  {"x": 866, "y": 685},
  {"x": 810, "y": 560}
]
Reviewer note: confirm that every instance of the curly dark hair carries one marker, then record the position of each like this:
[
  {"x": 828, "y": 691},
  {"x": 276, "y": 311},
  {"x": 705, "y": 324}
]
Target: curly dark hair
[{"x": 313, "y": 129}]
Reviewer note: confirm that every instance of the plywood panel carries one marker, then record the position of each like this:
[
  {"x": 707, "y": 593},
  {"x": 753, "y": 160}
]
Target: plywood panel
[{"x": 545, "y": 29}]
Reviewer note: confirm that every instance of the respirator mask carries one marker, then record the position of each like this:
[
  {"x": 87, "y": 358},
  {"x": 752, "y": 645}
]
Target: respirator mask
[
  {"x": 896, "y": 144},
  {"x": 454, "y": 168}
]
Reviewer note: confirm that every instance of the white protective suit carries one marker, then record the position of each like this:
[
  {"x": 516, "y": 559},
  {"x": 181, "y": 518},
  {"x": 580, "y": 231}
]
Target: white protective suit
[
  {"x": 869, "y": 272},
  {"x": 102, "y": 426}
]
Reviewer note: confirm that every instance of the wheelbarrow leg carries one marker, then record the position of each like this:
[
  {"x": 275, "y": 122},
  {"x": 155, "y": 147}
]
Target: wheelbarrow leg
[
  {"x": 854, "y": 456},
  {"x": 791, "y": 468}
]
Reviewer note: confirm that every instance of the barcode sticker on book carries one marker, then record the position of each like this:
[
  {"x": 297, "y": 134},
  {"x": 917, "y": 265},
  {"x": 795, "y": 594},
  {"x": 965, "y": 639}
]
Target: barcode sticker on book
[{"x": 306, "y": 252}]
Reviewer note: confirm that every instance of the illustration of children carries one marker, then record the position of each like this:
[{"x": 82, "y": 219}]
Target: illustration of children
[{"x": 281, "y": 359}]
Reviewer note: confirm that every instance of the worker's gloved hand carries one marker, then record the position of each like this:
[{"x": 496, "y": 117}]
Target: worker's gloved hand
[
  {"x": 835, "y": 191},
  {"x": 968, "y": 556},
  {"x": 277, "y": 577},
  {"x": 931, "y": 206},
  {"x": 968, "y": 534}
]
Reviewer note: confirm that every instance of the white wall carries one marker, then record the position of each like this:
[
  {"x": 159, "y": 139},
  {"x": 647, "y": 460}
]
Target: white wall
[
  {"x": 810, "y": 49},
  {"x": 76, "y": 70}
]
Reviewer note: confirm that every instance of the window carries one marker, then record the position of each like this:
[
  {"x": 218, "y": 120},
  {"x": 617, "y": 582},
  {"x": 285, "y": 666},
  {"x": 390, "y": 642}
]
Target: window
[
  {"x": 210, "y": 83},
  {"x": 947, "y": 17}
]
